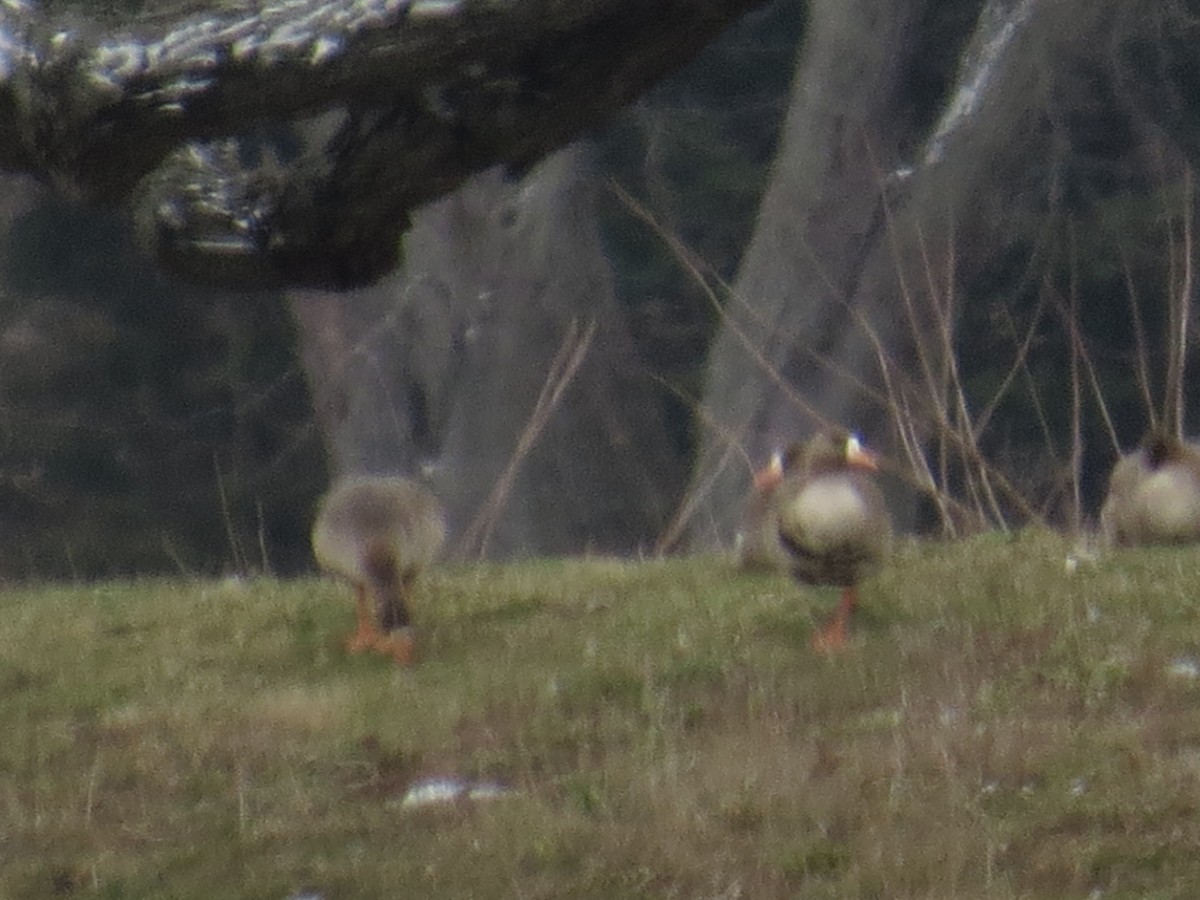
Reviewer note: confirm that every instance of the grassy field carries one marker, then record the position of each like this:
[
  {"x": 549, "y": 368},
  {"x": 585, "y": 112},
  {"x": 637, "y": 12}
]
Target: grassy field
[{"x": 1002, "y": 726}]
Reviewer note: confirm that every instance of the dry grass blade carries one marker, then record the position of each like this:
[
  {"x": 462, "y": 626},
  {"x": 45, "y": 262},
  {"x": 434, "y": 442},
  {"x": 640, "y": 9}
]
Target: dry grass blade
[
  {"x": 676, "y": 527},
  {"x": 1141, "y": 347},
  {"x": 235, "y": 546},
  {"x": 569, "y": 357},
  {"x": 1076, "y": 463},
  {"x": 1180, "y": 315}
]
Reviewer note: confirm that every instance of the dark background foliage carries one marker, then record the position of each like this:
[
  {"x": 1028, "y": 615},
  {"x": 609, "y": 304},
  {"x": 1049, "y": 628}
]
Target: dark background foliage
[
  {"x": 149, "y": 425},
  {"x": 146, "y": 425}
]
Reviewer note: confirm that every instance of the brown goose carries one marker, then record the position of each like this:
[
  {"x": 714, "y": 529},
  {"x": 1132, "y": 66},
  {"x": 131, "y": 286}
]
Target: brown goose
[
  {"x": 1154, "y": 494},
  {"x": 758, "y": 546},
  {"x": 379, "y": 533},
  {"x": 832, "y": 521}
]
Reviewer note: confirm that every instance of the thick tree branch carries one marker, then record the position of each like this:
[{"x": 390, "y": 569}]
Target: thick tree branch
[{"x": 429, "y": 92}]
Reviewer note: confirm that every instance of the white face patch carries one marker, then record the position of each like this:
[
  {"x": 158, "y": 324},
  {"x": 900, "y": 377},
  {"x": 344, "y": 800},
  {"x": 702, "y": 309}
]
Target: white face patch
[{"x": 853, "y": 446}]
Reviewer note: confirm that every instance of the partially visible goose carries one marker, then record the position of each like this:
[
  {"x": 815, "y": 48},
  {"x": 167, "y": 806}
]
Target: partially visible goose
[
  {"x": 1154, "y": 494},
  {"x": 758, "y": 547},
  {"x": 379, "y": 533},
  {"x": 832, "y": 521}
]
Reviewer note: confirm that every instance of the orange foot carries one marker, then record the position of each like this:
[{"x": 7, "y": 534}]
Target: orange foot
[
  {"x": 831, "y": 638},
  {"x": 363, "y": 640},
  {"x": 398, "y": 645}
]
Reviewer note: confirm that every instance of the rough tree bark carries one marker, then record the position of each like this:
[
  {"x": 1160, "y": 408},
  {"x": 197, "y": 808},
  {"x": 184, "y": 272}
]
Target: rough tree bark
[{"x": 433, "y": 91}]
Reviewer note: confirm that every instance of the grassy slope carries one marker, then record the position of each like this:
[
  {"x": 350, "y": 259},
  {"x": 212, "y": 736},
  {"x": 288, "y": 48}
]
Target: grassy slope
[{"x": 1000, "y": 728}]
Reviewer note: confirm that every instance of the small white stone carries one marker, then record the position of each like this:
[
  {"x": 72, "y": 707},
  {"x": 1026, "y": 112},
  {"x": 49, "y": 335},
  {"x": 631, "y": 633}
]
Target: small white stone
[
  {"x": 432, "y": 790},
  {"x": 1184, "y": 667}
]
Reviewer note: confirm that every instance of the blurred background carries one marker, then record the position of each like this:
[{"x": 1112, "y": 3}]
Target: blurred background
[{"x": 973, "y": 244}]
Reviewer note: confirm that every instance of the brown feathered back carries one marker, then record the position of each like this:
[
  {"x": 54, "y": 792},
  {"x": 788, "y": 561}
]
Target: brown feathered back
[{"x": 379, "y": 532}]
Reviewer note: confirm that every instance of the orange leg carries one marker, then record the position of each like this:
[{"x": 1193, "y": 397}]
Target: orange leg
[
  {"x": 367, "y": 636},
  {"x": 394, "y": 634},
  {"x": 832, "y": 637}
]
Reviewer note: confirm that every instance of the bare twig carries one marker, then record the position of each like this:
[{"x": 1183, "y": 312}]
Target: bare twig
[
  {"x": 1141, "y": 348},
  {"x": 1076, "y": 387},
  {"x": 673, "y": 533},
  {"x": 239, "y": 560},
  {"x": 1180, "y": 309},
  {"x": 566, "y": 363}
]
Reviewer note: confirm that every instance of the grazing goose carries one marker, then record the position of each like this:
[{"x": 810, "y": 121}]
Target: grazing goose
[
  {"x": 379, "y": 533},
  {"x": 832, "y": 521},
  {"x": 1154, "y": 494}
]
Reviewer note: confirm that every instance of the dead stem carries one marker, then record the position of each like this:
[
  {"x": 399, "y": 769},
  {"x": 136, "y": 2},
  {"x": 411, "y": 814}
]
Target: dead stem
[
  {"x": 1180, "y": 309},
  {"x": 561, "y": 372}
]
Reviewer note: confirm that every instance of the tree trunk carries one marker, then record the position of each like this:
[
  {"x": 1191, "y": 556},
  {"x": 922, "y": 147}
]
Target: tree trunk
[
  {"x": 867, "y": 277},
  {"x": 792, "y": 350},
  {"x": 439, "y": 373}
]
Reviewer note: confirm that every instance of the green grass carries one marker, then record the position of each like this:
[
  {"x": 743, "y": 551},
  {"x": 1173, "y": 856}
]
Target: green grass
[{"x": 1000, "y": 727}]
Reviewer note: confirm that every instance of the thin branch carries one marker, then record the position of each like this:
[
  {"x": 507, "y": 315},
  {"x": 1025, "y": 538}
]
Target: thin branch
[
  {"x": 1181, "y": 311},
  {"x": 1076, "y": 386},
  {"x": 1141, "y": 347},
  {"x": 559, "y": 375}
]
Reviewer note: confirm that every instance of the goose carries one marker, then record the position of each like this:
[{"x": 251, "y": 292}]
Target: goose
[
  {"x": 1154, "y": 494},
  {"x": 378, "y": 533},
  {"x": 832, "y": 521},
  {"x": 758, "y": 546}
]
